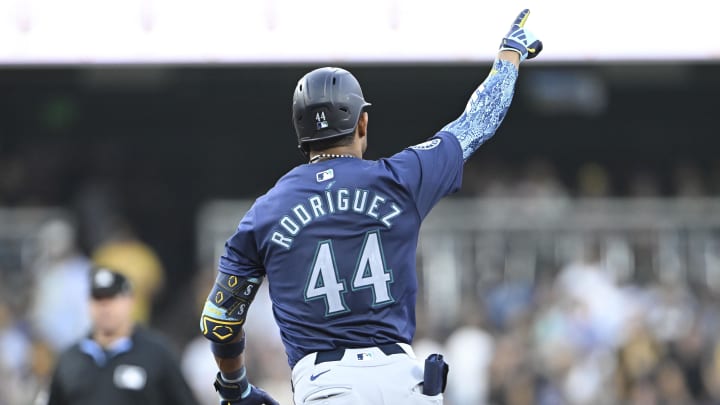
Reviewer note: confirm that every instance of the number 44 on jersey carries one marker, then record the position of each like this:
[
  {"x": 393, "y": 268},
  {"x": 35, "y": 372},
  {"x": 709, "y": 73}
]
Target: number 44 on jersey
[{"x": 370, "y": 272}]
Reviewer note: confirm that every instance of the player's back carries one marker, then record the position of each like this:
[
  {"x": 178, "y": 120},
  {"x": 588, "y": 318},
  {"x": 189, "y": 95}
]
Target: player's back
[{"x": 339, "y": 240}]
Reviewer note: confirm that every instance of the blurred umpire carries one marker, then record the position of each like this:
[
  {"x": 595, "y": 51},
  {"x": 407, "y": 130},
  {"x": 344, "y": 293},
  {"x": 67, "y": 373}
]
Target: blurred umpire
[{"x": 119, "y": 362}]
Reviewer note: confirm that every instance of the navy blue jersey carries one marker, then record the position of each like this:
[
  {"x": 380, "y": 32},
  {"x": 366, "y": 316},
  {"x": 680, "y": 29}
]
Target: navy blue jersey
[{"x": 337, "y": 242}]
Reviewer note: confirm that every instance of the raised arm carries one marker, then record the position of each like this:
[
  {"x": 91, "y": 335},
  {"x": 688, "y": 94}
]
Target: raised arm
[{"x": 491, "y": 100}]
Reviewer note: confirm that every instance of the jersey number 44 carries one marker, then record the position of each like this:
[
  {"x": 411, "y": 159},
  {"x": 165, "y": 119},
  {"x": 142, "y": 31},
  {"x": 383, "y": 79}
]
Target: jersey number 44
[{"x": 370, "y": 272}]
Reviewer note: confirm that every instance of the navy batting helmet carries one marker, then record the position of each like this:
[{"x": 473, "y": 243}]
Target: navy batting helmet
[{"x": 327, "y": 103}]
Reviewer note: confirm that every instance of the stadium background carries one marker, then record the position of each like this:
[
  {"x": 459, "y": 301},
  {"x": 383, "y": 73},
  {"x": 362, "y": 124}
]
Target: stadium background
[{"x": 580, "y": 263}]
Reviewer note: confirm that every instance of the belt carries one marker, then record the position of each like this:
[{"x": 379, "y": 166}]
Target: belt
[{"x": 337, "y": 354}]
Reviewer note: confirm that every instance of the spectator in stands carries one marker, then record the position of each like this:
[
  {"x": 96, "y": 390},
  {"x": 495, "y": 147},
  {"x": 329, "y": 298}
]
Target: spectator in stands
[
  {"x": 540, "y": 180},
  {"x": 15, "y": 348},
  {"x": 469, "y": 349},
  {"x": 593, "y": 181},
  {"x": 687, "y": 181},
  {"x": 59, "y": 308},
  {"x": 643, "y": 183},
  {"x": 124, "y": 251}
]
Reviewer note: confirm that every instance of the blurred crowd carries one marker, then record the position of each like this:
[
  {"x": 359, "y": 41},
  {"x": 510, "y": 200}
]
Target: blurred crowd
[
  {"x": 44, "y": 306},
  {"x": 586, "y": 336},
  {"x": 581, "y": 333},
  {"x": 539, "y": 177}
]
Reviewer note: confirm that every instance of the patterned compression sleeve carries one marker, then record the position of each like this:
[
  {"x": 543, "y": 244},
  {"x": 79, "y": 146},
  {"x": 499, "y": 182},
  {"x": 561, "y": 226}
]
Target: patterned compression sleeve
[{"x": 486, "y": 109}]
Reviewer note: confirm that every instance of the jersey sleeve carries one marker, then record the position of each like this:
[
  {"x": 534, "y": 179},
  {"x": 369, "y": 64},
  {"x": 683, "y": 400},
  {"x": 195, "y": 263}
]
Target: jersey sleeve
[
  {"x": 430, "y": 170},
  {"x": 241, "y": 257},
  {"x": 486, "y": 109}
]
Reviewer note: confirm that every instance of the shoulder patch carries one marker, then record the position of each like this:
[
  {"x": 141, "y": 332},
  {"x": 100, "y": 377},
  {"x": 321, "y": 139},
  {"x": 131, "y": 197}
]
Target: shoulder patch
[{"x": 427, "y": 144}]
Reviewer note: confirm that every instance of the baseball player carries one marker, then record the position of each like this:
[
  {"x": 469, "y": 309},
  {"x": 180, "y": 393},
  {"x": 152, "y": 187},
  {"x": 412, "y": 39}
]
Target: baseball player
[{"x": 336, "y": 238}]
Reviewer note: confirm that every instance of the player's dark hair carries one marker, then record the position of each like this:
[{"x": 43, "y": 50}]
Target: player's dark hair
[{"x": 324, "y": 144}]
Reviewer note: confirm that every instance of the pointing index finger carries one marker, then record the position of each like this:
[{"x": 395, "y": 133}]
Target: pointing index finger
[{"x": 522, "y": 18}]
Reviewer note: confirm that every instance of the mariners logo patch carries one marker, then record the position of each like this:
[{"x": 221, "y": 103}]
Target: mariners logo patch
[{"x": 427, "y": 145}]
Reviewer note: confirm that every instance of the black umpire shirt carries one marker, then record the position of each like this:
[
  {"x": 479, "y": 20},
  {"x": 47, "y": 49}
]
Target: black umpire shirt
[{"x": 138, "y": 370}]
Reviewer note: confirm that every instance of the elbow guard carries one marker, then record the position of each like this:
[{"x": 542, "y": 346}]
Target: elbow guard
[{"x": 226, "y": 307}]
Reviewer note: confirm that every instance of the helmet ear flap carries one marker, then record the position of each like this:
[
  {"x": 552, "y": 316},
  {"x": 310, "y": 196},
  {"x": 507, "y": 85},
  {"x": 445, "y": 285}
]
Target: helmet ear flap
[{"x": 304, "y": 150}]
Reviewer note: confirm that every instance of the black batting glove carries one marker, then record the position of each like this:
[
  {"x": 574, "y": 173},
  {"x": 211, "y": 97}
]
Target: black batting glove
[{"x": 241, "y": 392}]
